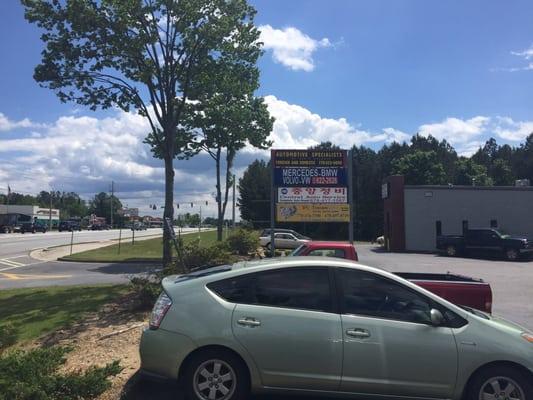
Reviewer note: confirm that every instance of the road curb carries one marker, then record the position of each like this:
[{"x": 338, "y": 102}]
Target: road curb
[
  {"x": 91, "y": 261},
  {"x": 34, "y": 252}
]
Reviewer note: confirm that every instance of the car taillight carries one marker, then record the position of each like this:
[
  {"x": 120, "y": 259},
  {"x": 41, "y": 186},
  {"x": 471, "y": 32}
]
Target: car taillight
[{"x": 161, "y": 307}]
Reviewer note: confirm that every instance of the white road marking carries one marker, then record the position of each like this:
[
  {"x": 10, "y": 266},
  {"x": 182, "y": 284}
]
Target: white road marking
[{"x": 5, "y": 261}]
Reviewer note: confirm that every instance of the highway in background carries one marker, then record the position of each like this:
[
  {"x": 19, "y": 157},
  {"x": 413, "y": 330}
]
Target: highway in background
[{"x": 18, "y": 244}]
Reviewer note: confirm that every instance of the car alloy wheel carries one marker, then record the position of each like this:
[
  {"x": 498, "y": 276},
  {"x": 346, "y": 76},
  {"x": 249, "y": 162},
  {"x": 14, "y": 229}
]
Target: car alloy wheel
[
  {"x": 501, "y": 388},
  {"x": 214, "y": 380},
  {"x": 511, "y": 254},
  {"x": 451, "y": 251}
]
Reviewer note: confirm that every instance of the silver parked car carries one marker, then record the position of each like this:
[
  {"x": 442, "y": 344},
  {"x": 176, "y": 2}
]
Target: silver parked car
[
  {"x": 284, "y": 240},
  {"x": 331, "y": 327}
]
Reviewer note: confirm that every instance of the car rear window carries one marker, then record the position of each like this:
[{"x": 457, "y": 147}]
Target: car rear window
[
  {"x": 234, "y": 290},
  {"x": 301, "y": 288}
]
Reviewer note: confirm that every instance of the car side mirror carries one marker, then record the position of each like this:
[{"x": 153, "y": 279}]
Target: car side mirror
[{"x": 436, "y": 317}]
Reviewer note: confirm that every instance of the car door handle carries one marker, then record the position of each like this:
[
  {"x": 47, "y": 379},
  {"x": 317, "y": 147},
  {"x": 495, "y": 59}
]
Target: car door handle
[
  {"x": 358, "y": 333},
  {"x": 247, "y": 321}
]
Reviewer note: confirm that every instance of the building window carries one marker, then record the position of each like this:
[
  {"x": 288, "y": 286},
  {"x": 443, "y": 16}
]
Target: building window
[
  {"x": 465, "y": 226},
  {"x": 438, "y": 228},
  {"x": 493, "y": 223}
]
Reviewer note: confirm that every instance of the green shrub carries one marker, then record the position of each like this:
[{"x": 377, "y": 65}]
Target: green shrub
[
  {"x": 243, "y": 242},
  {"x": 8, "y": 337},
  {"x": 33, "y": 375},
  {"x": 195, "y": 256},
  {"x": 146, "y": 290}
]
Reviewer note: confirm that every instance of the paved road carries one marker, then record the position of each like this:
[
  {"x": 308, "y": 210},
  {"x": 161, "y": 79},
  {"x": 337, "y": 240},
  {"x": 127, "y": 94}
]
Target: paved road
[
  {"x": 18, "y": 269},
  {"x": 17, "y": 244}
]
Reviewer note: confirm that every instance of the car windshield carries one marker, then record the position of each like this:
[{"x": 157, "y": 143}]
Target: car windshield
[
  {"x": 297, "y": 251},
  {"x": 200, "y": 272},
  {"x": 501, "y": 233},
  {"x": 298, "y": 236}
]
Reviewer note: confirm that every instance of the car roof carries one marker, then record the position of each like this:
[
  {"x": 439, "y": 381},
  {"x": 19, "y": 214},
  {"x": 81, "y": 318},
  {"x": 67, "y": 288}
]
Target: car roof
[
  {"x": 329, "y": 243},
  {"x": 295, "y": 262},
  {"x": 247, "y": 267}
]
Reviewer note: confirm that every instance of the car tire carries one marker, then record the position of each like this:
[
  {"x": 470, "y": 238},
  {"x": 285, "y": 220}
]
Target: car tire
[
  {"x": 490, "y": 379},
  {"x": 512, "y": 254},
  {"x": 219, "y": 371},
  {"x": 451, "y": 251}
]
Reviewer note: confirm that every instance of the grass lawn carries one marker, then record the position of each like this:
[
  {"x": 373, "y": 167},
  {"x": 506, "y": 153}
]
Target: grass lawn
[
  {"x": 142, "y": 250},
  {"x": 36, "y": 311}
]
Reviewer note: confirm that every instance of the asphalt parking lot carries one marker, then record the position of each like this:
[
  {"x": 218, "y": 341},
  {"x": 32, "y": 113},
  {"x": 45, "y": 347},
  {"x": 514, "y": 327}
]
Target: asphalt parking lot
[{"x": 511, "y": 282}]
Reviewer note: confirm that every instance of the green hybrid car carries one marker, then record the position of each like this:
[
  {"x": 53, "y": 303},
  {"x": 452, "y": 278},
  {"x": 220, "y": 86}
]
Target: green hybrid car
[{"x": 329, "y": 327}]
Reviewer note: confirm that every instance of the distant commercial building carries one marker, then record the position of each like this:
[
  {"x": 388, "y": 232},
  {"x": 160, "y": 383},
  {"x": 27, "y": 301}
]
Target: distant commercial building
[
  {"x": 415, "y": 215},
  {"x": 32, "y": 213},
  {"x": 129, "y": 212},
  {"x": 152, "y": 222}
]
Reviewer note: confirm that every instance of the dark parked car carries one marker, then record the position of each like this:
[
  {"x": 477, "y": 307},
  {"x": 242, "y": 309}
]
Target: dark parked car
[
  {"x": 488, "y": 241},
  {"x": 33, "y": 227},
  {"x": 69, "y": 226}
]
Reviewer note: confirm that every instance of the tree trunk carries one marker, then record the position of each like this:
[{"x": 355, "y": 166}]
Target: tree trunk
[
  {"x": 169, "y": 209},
  {"x": 220, "y": 215}
]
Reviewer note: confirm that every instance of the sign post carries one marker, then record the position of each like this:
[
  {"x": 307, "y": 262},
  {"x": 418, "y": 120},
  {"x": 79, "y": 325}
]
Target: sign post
[
  {"x": 311, "y": 186},
  {"x": 272, "y": 205}
]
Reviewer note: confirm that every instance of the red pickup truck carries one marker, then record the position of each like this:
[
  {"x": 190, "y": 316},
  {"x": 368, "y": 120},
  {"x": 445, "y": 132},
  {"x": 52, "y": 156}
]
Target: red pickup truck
[{"x": 458, "y": 289}]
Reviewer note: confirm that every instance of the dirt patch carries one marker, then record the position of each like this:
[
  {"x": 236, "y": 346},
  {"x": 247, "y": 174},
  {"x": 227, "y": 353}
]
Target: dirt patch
[{"x": 113, "y": 333}]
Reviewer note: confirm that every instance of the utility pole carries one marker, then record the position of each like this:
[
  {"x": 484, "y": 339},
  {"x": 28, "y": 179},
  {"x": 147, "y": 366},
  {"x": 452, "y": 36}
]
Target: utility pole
[
  {"x": 7, "y": 198},
  {"x": 111, "y": 202},
  {"x": 50, "y": 211},
  {"x": 233, "y": 210}
]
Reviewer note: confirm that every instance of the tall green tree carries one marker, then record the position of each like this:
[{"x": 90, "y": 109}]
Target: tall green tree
[
  {"x": 227, "y": 116},
  {"x": 501, "y": 173},
  {"x": 254, "y": 194},
  {"x": 141, "y": 55},
  {"x": 100, "y": 205},
  {"x": 468, "y": 172},
  {"x": 70, "y": 204},
  {"x": 420, "y": 168}
]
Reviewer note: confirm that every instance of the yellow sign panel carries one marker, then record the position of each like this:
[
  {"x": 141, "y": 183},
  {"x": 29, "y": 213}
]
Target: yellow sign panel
[{"x": 290, "y": 212}]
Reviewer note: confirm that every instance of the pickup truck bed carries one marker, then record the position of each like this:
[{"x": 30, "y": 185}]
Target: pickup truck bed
[{"x": 457, "y": 289}]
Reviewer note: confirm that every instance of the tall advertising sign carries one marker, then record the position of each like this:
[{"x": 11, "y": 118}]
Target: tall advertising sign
[{"x": 311, "y": 186}]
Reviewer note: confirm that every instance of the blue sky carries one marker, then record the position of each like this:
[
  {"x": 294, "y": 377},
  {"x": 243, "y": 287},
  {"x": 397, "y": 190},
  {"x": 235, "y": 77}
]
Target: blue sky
[{"x": 354, "y": 72}]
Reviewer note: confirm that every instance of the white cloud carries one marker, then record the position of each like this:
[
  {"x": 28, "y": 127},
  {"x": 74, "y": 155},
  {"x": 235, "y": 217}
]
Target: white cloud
[
  {"x": 527, "y": 53},
  {"x": 297, "y": 127},
  {"x": 508, "y": 129},
  {"x": 83, "y": 154},
  {"x": 7, "y": 125},
  {"x": 456, "y": 130},
  {"x": 291, "y": 47}
]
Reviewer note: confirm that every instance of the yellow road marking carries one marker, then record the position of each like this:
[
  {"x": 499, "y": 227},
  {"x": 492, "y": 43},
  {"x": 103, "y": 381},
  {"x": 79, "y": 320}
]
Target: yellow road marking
[
  {"x": 10, "y": 276},
  {"x": 32, "y": 276}
]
